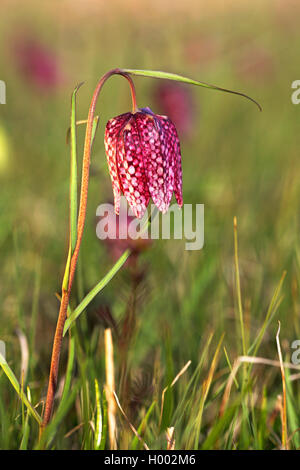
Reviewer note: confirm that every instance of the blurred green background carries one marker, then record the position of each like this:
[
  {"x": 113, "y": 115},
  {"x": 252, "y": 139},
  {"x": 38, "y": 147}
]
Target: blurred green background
[{"x": 236, "y": 161}]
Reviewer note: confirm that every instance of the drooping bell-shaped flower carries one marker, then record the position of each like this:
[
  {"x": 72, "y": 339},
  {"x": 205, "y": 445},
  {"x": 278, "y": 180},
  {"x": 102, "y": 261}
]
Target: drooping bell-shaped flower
[{"x": 144, "y": 160}]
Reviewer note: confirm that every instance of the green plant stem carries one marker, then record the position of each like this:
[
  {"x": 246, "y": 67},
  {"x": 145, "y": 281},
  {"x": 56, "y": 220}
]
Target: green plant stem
[
  {"x": 238, "y": 286},
  {"x": 74, "y": 257}
]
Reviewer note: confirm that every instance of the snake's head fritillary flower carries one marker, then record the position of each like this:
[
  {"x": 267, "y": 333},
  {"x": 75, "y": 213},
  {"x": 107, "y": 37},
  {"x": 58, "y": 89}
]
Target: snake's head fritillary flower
[
  {"x": 37, "y": 63},
  {"x": 144, "y": 160}
]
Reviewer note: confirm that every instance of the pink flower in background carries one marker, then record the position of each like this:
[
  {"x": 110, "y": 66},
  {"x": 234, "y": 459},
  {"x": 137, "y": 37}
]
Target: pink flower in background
[
  {"x": 256, "y": 64},
  {"x": 201, "y": 49},
  {"x": 122, "y": 240},
  {"x": 37, "y": 63},
  {"x": 286, "y": 15},
  {"x": 144, "y": 160},
  {"x": 175, "y": 100}
]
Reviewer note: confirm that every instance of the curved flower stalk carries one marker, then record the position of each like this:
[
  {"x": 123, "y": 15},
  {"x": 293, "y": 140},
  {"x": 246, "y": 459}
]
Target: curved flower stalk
[{"x": 152, "y": 143}]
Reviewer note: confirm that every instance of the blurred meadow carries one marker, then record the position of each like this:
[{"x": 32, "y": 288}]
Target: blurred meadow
[{"x": 170, "y": 306}]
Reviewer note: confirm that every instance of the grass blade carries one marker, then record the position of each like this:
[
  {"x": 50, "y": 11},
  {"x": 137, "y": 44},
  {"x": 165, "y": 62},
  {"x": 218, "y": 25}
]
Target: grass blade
[
  {"x": 204, "y": 392},
  {"x": 26, "y": 430},
  {"x": 13, "y": 380},
  {"x": 292, "y": 412},
  {"x": 73, "y": 173},
  {"x": 110, "y": 387},
  {"x": 238, "y": 286},
  {"x": 219, "y": 427},
  {"x": 98, "y": 288},
  {"x": 105, "y": 420},
  {"x": 50, "y": 431},
  {"x": 271, "y": 310},
  {"x": 130, "y": 424},
  {"x": 99, "y": 423},
  {"x": 135, "y": 441},
  {"x": 283, "y": 412}
]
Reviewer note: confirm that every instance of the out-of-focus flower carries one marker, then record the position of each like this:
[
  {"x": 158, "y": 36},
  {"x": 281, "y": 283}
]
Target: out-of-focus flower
[
  {"x": 37, "y": 63},
  {"x": 122, "y": 240},
  {"x": 176, "y": 101},
  {"x": 144, "y": 160},
  {"x": 201, "y": 49},
  {"x": 255, "y": 64},
  {"x": 286, "y": 15}
]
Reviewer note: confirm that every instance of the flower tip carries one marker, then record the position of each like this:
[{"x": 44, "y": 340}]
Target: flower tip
[{"x": 164, "y": 209}]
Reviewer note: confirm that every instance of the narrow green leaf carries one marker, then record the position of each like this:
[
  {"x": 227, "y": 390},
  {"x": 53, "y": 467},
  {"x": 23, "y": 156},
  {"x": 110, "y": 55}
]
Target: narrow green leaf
[
  {"x": 192, "y": 386},
  {"x": 135, "y": 441},
  {"x": 204, "y": 393},
  {"x": 105, "y": 421},
  {"x": 230, "y": 367},
  {"x": 262, "y": 425},
  {"x": 219, "y": 428},
  {"x": 73, "y": 196},
  {"x": 98, "y": 425},
  {"x": 34, "y": 312},
  {"x": 168, "y": 403},
  {"x": 238, "y": 287},
  {"x": 67, "y": 271},
  {"x": 94, "y": 128},
  {"x": 73, "y": 173},
  {"x": 98, "y": 287},
  {"x": 180, "y": 78},
  {"x": 270, "y": 313},
  {"x": 293, "y": 412},
  {"x": 13, "y": 380},
  {"x": 85, "y": 405},
  {"x": 51, "y": 429},
  {"x": 26, "y": 429},
  {"x": 25, "y": 437}
]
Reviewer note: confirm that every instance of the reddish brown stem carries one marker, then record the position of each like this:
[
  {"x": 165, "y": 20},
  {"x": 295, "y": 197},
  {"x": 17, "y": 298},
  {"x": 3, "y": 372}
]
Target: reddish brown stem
[{"x": 80, "y": 228}]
